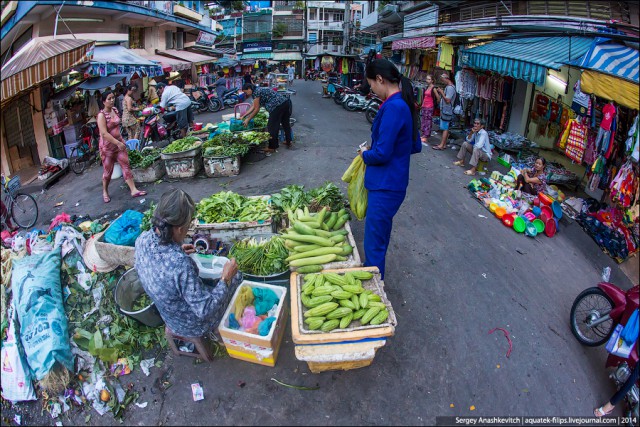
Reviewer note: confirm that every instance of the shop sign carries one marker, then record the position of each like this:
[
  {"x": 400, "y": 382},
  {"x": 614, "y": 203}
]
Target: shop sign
[
  {"x": 257, "y": 47},
  {"x": 205, "y": 39}
]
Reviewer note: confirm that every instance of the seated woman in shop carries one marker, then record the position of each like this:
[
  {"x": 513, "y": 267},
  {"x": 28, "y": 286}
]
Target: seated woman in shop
[
  {"x": 189, "y": 307},
  {"x": 533, "y": 181}
]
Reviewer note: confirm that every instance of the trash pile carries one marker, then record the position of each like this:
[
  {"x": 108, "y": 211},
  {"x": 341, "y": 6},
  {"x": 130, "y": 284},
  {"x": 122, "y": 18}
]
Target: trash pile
[{"x": 65, "y": 341}]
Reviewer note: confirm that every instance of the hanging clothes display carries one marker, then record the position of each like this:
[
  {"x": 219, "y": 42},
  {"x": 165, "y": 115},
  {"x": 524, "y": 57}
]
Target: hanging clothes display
[
  {"x": 445, "y": 56},
  {"x": 624, "y": 186},
  {"x": 576, "y": 141},
  {"x": 581, "y": 101}
]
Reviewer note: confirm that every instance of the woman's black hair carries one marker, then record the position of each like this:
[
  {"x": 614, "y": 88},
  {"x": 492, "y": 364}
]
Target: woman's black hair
[
  {"x": 544, "y": 161},
  {"x": 220, "y": 73},
  {"x": 105, "y": 94},
  {"x": 248, "y": 86},
  {"x": 132, "y": 86},
  {"x": 385, "y": 69}
]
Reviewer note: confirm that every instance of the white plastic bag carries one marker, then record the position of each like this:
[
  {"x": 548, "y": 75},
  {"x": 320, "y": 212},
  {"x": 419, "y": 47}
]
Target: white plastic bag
[{"x": 16, "y": 381}]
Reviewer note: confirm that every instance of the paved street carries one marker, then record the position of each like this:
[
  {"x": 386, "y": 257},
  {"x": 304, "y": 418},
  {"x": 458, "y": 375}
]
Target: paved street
[{"x": 452, "y": 276}]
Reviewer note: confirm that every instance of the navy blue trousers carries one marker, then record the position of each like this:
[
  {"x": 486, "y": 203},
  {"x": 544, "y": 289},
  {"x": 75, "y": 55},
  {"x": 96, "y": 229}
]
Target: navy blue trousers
[{"x": 382, "y": 206}]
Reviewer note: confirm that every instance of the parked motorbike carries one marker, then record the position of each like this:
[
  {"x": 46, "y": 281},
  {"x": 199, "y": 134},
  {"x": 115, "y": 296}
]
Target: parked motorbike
[
  {"x": 229, "y": 98},
  {"x": 199, "y": 101},
  {"x": 371, "y": 109},
  {"x": 341, "y": 92},
  {"x": 594, "y": 316},
  {"x": 310, "y": 75},
  {"x": 355, "y": 101},
  {"x": 154, "y": 131}
]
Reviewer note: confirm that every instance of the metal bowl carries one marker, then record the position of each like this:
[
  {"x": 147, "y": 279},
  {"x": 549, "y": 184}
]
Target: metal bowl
[{"x": 276, "y": 276}]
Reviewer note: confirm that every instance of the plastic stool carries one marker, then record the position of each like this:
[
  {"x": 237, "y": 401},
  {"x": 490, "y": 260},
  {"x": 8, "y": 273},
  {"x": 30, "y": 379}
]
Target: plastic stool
[
  {"x": 202, "y": 345},
  {"x": 133, "y": 144},
  {"x": 482, "y": 166}
]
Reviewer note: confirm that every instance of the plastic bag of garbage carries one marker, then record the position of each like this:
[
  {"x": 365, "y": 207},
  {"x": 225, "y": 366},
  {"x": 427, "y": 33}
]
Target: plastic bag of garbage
[
  {"x": 356, "y": 192},
  {"x": 124, "y": 230},
  {"x": 16, "y": 379},
  {"x": 37, "y": 293}
]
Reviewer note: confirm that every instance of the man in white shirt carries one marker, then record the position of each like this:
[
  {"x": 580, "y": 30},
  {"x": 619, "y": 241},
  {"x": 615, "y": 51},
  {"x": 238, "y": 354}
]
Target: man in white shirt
[
  {"x": 476, "y": 143},
  {"x": 291, "y": 74},
  {"x": 172, "y": 95}
]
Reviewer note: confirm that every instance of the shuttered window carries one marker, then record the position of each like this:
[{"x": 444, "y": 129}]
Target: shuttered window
[{"x": 18, "y": 125}]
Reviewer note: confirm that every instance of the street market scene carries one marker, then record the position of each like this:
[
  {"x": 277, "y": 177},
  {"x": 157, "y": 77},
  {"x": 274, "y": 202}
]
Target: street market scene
[{"x": 319, "y": 212}]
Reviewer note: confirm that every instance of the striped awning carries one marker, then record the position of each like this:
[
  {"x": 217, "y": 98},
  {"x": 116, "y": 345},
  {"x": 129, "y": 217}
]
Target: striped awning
[
  {"x": 610, "y": 58},
  {"x": 525, "y": 58},
  {"x": 414, "y": 43},
  {"x": 39, "y": 60},
  {"x": 168, "y": 64}
]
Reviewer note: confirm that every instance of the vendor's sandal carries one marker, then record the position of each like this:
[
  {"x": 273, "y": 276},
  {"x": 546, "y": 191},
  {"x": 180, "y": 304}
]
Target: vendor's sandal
[
  {"x": 469, "y": 173},
  {"x": 599, "y": 412},
  {"x": 435, "y": 147},
  {"x": 106, "y": 199},
  {"x": 139, "y": 193},
  {"x": 459, "y": 163}
]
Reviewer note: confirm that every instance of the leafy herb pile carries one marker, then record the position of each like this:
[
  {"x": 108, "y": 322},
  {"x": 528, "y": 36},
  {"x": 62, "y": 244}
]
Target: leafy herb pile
[
  {"x": 233, "y": 144},
  {"x": 226, "y": 151},
  {"x": 261, "y": 258},
  {"x": 291, "y": 198},
  {"x": 183, "y": 144},
  {"x": 294, "y": 197},
  {"x": 144, "y": 159},
  {"x": 143, "y": 301},
  {"x": 327, "y": 194},
  {"x": 146, "y": 219},
  {"x": 260, "y": 120},
  {"x": 229, "y": 206}
]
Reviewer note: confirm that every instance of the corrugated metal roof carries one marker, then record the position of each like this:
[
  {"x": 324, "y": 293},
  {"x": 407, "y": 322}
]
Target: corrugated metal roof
[
  {"x": 525, "y": 58},
  {"x": 193, "y": 57}
]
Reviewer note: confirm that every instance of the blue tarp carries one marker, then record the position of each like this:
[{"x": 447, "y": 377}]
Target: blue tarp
[{"x": 525, "y": 58}]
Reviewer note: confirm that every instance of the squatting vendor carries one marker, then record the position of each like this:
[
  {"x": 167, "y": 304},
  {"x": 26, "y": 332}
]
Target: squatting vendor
[
  {"x": 394, "y": 137},
  {"x": 189, "y": 307}
]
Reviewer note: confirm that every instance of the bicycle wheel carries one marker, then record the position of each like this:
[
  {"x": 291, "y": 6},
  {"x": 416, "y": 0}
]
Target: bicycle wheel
[
  {"x": 24, "y": 210},
  {"x": 78, "y": 161}
]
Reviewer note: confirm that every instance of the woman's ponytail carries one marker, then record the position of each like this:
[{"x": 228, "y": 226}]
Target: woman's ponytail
[{"x": 409, "y": 98}]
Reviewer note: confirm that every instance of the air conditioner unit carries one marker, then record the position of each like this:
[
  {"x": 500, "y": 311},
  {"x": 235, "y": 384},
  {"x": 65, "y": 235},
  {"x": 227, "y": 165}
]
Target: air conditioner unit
[{"x": 388, "y": 10}]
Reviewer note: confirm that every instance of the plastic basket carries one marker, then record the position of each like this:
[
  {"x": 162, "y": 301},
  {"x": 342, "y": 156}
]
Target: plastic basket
[{"x": 13, "y": 185}]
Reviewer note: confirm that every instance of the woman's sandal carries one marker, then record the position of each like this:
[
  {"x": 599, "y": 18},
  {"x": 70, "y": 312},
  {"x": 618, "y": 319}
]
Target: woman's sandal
[
  {"x": 106, "y": 199},
  {"x": 599, "y": 412},
  {"x": 469, "y": 173},
  {"x": 139, "y": 193}
]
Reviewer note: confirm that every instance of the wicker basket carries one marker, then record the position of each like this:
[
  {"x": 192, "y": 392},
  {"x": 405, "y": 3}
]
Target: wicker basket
[{"x": 114, "y": 254}]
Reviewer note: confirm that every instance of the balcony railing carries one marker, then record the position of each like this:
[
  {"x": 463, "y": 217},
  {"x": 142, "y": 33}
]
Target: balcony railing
[{"x": 325, "y": 25}]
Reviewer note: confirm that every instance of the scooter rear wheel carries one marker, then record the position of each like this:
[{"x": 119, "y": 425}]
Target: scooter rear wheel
[
  {"x": 214, "y": 105},
  {"x": 370, "y": 115},
  {"x": 592, "y": 304},
  {"x": 350, "y": 105}
]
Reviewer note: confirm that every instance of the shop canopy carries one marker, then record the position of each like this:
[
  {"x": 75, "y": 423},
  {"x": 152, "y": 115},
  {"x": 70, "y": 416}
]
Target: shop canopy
[
  {"x": 100, "y": 83},
  {"x": 39, "y": 60},
  {"x": 525, "y": 58},
  {"x": 167, "y": 64},
  {"x": 188, "y": 56},
  {"x": 257, "y": 55},
  {"x": 610, "y": 72},
  {"x": 116, "y": 59},
  {"x": 226, "y": 62},
  {"x": 287, "y": 56}
]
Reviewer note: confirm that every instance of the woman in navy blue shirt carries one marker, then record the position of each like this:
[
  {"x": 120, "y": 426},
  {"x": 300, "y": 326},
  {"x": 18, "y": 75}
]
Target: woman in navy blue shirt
[{"x": 394, "y": 137}]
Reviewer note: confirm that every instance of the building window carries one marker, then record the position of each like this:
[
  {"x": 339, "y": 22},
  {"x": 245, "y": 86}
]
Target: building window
[
  {"x": 338, "y": 16},
  {"x": 371, "y": 6},
  {"x": 136, "y": 38},
  {"x": 312, "y": 14}
]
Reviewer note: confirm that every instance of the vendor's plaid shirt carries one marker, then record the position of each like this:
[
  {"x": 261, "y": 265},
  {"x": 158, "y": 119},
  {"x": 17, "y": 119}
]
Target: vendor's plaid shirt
[{"x": 170, "y": 277}]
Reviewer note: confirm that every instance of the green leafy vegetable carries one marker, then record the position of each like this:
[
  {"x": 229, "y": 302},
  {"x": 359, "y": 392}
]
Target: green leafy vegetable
[
  {"x": 146, "y": 219},
  {"x": 180, "y": 145},
  {"x": 261, "y": 258},
  {"x": 291, "y": 198},
  {"x": 228, "y": 206},
  {"x": 327, "y": 194},
  {"x": 144, "y": 159},
  {"x": 143, "y": 301}
]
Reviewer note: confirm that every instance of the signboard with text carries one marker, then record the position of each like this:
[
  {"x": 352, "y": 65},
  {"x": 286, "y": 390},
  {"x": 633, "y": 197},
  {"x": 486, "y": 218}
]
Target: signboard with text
[
  {"x": 257, "y": 47},
  {"x": 205, "y": 39}
]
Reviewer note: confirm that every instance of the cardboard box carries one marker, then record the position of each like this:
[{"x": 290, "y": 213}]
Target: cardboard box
[{"x": 251, "y": 347}]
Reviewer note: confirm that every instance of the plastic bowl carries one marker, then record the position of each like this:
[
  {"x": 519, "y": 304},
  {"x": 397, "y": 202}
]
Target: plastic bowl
[
  {"x": 536, "y": 202},
  {"x": 529, "y": 216},
  {"x": 546, "y": 210},
  {"x": 500, "y": 212},
  {"x": 531, "y": 230},
  {"x": 550, "y": 227},
  {"x": 536, "y": 211},
  {"x": 545, "y": 199},
  {"x": 493, "y": 207},
  {"x": 539, "y": 224},
  {"x": 557, "y": 209},
  {"x": 519, "y": 224},
  {"x": 507, "y": 220}
]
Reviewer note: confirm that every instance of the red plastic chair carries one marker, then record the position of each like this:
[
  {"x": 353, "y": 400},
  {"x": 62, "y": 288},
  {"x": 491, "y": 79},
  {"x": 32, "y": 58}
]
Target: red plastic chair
[{"x": 241, "y": 108}]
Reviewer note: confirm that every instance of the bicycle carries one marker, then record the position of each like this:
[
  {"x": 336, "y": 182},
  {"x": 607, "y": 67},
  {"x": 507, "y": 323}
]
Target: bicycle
[
  {"x": 85, "y": 152},
  {"x": 22, "y": 207}
]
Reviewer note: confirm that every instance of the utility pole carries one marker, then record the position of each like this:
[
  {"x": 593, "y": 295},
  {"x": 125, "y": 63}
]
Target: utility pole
[{"x": 345, "y": 30}]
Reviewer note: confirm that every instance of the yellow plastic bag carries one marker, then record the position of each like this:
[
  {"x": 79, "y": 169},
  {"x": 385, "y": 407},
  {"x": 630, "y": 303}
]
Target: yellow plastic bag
[
  {"x": 245, "y": 298},
  {"x": 356, "y": 192}
]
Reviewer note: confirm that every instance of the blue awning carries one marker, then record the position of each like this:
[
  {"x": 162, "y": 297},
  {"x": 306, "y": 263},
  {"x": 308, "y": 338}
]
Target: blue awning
[
  {"x": 99, "y": 83},
  {"x": 525, "y": 58},
  {"x": 257, "y": 55},
  {"x": 610, "y": 58}
]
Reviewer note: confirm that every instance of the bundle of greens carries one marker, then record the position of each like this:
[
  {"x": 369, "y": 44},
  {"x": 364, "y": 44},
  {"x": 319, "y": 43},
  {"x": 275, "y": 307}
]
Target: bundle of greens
[
  {"x": 290, "y": 198},
  {"x": 143, "y": 301},
  {"x": 327, "y": 194},
  {"x": 255, "y": 138},
  {"x": 146, "y": 219},
  {"x": 260, "y": 120},
  {"x": 228, "y": 206},
  {"x": 144, "y": 159},
  {"x": 261, "y": 258},
  {"x": 182, "y": 144},
  {"x": 226, "y": 151}
]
